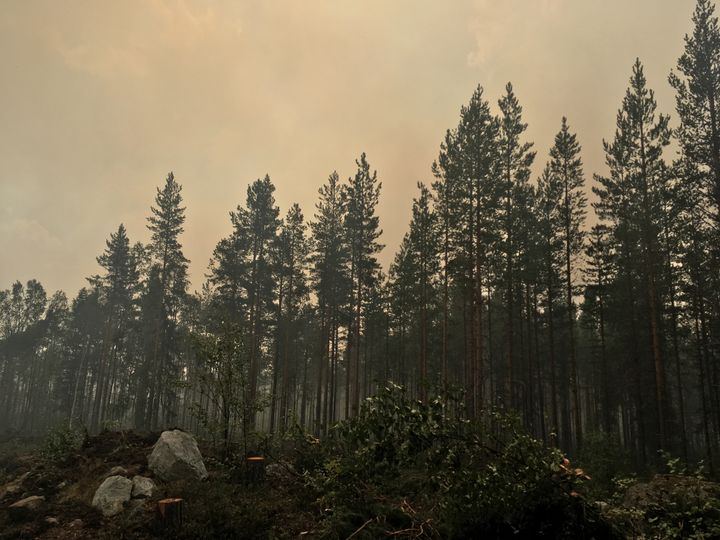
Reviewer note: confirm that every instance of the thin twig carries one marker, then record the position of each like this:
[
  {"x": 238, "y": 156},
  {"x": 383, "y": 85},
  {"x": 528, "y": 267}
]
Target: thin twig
[{"x": 360, "y": 529}]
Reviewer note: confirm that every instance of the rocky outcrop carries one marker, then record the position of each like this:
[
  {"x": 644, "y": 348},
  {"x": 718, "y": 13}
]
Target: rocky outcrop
[
  {"x": 112, "y": 495},
  {"x": 176, "y": 456}
]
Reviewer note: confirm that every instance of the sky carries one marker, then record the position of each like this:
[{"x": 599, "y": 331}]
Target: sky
[{"x": 100, "y": 99}]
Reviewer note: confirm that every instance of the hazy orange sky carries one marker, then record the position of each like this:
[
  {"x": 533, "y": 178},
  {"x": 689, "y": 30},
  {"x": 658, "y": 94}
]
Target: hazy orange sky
[{"x": 100, "y": 99}]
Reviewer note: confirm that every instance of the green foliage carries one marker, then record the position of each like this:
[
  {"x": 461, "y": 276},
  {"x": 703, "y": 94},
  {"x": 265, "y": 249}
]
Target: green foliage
[
  {"x": 61, "y": 441},
  {"x": 604, "y": 458},
  {"x": 468, "y": 479},
  {"x": 684, "y": 507},
  {"x": 676, "y": 505}
]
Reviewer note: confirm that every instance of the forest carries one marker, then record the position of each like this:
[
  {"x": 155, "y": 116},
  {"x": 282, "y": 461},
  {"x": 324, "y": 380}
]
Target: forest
[{"x": 579, "y": 310}]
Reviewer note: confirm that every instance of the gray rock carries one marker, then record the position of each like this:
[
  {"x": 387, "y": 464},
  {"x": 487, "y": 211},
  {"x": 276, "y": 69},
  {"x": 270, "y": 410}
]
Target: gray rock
[
  {"x": 52, "y": 521},
  {"x": 142, "y": 487},
  {"x": 117, "y": 471},
  {"x": 111, "y": 496},
  {"x": 176, "y": 456}
]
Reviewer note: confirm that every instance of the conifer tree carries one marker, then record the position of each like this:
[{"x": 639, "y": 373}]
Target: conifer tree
[
  {"x": 516, "y": 159},
  {"x": 242, "y": 272},
  {"x": 566, "y": 169},
  {"x": 118, "y": 288},
  {"x": 631, "y": 201},
  {"x": 330, "y": 278},
  {"x": 362, "y": 233},
  {"x": 424, "y": 250},
  {"x": 164, "y": 294},
  {"x": 291, "y": 252}
]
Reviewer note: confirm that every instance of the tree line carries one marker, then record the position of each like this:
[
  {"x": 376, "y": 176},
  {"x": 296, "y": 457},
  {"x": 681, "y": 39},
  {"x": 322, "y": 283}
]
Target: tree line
[{"x": 578, "y": 318}]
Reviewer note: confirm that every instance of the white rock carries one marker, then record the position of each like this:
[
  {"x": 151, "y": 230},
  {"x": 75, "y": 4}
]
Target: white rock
[
  {"x": 176, "y": 456},
  {"x": 112, "y": 495},
  {"x": 142, "y": 487}
]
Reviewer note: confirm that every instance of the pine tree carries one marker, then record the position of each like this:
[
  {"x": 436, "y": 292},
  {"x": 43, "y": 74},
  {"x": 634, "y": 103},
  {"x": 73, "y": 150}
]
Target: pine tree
[
  {"x": 242, "y": 271},
  {"x": 631, "y": 201},
  {"x": 330, "y": 277},
  {"x": 698, "y": 99},
  {"x": 476, "y": 231},
  {"x": 164, "y": 294},
  {"x": 516, "y": 158},
  {"x": 424, "y": 248},
  {"x": 598, "y": 277},
  {"x": 118, "y": 287},
  {"x": 362, "y": 232},
  {"x": 550, "y": 248},
  {"x": 447, "y": 173},
  {"x": 566, "y": 168},
  {"x": 291, "y": 252}
]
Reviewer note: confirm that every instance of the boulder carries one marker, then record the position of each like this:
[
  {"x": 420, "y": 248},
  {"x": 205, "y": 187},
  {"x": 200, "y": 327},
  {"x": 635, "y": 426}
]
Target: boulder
[
  {"x": 111, "y": 496},
  {"x": 142, "y": 487},
  {"x": 176, "y": 456}
]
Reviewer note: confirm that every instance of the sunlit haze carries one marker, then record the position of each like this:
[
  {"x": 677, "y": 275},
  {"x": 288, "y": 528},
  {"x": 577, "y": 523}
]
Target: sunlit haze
[{"x": 100, "y": 100}]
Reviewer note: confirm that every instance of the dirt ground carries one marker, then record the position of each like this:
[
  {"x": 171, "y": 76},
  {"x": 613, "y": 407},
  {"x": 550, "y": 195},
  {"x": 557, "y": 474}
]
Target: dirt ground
[{"x": 222, "y": 506}]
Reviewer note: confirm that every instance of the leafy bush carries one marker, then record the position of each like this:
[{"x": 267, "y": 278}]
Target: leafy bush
[
  {"x": 673, "y": 506},
  {"x": 405, "y": 467},
  {"x": 61, "y": 441},
  {"x": 604, "y": 458}
]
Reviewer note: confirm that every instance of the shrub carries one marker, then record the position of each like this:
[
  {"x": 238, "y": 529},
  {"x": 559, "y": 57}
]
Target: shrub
[
  {"x": 402, "y": 465},
  {"x": 604, "y": 458},
  {"x": 61, "y": 441}
]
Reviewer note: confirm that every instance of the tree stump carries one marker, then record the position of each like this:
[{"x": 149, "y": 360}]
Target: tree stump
[
  {"x": 170, "y": 513},
  {"x": 255, "y": 469}
]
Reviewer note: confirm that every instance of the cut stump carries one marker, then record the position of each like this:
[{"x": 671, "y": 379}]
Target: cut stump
[
  {"x": 170, "y": 513},
  {"x": 255, "y": 469}
]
